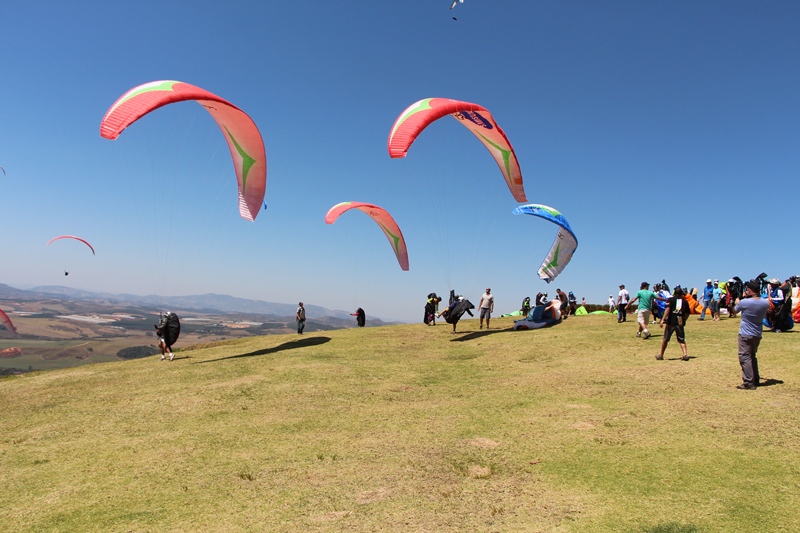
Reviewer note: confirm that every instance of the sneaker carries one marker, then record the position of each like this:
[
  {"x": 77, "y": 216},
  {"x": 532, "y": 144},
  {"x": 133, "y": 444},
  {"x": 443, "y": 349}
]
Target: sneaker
[
  {"x": 638, "y": 333},
  {"x": 162, "y": 357},
  {"x": 746, "y": 387},
  {"x": 659, "y": 358},
  {"x": 171, "y": 356},
  {"x": 685, "y": 358},
  {"x": 646, "y": 334}
]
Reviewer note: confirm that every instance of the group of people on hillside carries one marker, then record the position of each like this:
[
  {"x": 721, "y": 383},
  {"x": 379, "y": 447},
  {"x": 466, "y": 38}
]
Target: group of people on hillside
[
  {"x": 758, "y": 301},
  {"x": 457, "y": 305}
]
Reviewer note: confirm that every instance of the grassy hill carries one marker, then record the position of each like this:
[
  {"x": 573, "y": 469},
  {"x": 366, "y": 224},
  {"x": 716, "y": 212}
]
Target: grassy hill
[{"x": 411, "y": 428}]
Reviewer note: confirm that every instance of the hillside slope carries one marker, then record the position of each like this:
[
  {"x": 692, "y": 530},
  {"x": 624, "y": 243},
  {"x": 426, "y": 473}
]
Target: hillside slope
[{"x": 411, "y": 428}]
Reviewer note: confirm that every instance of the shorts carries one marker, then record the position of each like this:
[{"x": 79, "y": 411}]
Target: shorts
[
  {"x": 679, "y": 334},
  {"x": 486, "y": 312},
  {"x": 643, "y": 316},
  {"x": 715, "y": 307}
]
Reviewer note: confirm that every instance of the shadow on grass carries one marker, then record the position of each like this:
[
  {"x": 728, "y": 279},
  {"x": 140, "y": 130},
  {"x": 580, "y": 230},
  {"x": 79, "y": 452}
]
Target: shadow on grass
[
  {"x": 291, "y": 345},
  {"x": 768, "y": 382},
  {"x": 478, "y": 334}
]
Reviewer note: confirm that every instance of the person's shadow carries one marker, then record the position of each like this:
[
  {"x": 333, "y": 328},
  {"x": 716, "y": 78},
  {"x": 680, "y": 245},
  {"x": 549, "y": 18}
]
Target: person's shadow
[
  {"x": 478, "y": 334},
  {"x": 291, "y": 345},
  {"x": 768, "y": 382}
]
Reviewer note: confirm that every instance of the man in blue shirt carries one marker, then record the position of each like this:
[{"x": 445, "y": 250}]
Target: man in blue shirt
[
  {"x": 753, "y": 309},
  {"x": 716, "y": 296},
  {"x": 708, "y": 294}
]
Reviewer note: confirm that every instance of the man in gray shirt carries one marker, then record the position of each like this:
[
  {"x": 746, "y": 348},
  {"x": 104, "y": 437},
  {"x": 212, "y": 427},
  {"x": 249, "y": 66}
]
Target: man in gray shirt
[{"x": 753, "y": 310}]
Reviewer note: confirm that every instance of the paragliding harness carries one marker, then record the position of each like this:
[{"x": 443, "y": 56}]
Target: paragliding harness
[
  {"x": 430, "y": 309},
  {"x": 782, "y": 318},
  {"x": 361, "y": 317},
  {"x": 456, "y": 308},
  {"x": 169, "y": 329}
]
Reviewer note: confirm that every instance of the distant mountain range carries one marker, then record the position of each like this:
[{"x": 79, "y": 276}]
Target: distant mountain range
[{"x": 207, "y": 303}]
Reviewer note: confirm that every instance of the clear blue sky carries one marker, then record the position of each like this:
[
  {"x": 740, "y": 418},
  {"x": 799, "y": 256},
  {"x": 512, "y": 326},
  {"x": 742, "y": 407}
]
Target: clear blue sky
[{"x": 668, "y": 134}]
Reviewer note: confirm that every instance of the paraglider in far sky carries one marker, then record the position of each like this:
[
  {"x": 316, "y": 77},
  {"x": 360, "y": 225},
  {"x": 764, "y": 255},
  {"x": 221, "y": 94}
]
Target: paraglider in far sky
[
  {"x": 475, "y": 118},
  {"x": 384, "y": 220},
  {"x": 7, "y": 322},
  {"x": 241, "y": 133},
  {"x": 564, "y": 245},
  {"x": 66, "y": 273},
  {"x": 456, "y": 2},
  {"x": 71, "y": 237},
  {"x": 4, "y": 171}
]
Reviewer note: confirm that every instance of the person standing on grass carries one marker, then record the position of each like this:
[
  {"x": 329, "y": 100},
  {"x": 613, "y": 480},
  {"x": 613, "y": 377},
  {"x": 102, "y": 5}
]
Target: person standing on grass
[
  {"x": 708, "y": 295},
  {"x": 622, "y": 304},
  {"x": 300, "y": 315},
  {"x": 564, "y": 307},
  {"x": 753, "y": 309},
  {"x": 675, "y": 316},
  {"x": 716, "y": 298},
  {"x": 611, "y": 305},
  {"x": 645, "y": 298},
  {"x": 486, "y": 307}
]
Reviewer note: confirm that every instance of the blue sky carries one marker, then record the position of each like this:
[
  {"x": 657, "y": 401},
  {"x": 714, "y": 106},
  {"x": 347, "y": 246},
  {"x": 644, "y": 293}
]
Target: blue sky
[{"x": 667, "y": 133}]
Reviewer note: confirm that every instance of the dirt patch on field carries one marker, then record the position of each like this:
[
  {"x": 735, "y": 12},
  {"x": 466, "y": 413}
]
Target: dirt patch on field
[
  {"x": 372, "y": 496},
  {"x": 482, "y": 442}
]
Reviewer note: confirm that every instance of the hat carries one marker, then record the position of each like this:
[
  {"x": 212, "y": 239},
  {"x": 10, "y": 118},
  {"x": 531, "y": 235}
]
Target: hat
[
  {"x": 708, "y": 280},
  {"x": 774, "y": 281},
  {"x": 754, "y": 286},
  {"x": 731, "y": 280},
  {"x": 622, "y": 286}
]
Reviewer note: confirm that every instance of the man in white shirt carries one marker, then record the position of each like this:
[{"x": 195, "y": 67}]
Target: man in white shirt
[
  {"x": 486, "y": 306},
  {"x": 622, "y": 303}
]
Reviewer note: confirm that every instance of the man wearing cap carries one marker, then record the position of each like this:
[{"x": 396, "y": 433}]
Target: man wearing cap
[
  {"x": 776, "y": 298},
  {"x": 486, "y": 307},
  {"x": 753, "y": 309},
  {"x": 716, "y": 296},
  {"x": 622, "y": 303},
  {"x": 708, "y": 295}
]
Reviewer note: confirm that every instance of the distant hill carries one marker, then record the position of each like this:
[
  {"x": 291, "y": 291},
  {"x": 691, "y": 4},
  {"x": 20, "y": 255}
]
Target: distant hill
[{"x": 215, "y": 303}]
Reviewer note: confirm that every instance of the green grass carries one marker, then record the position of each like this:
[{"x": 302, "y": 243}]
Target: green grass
[{"x": 410, "y": 428}]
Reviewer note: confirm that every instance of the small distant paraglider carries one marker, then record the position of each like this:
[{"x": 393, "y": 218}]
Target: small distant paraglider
[
  {"x": 66, "y": 272},
  {"x": 71, "y": 237},
  {"x": 4, "y": 171},
  {"x": 456, "y": 2}
]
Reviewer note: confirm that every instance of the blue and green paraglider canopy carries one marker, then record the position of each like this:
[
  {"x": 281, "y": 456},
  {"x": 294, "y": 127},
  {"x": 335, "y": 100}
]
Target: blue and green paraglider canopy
[{"x": 564, "y": 246}]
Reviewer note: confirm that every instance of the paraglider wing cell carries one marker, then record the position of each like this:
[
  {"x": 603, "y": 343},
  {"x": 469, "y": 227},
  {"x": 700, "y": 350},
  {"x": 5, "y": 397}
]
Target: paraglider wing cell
[
  {"x": 241, "y": 133},
  {"x": 7, "y": 322},
  {"x": 475, "y": 118},
  {"x": 72, "y": 237},
  {"x": 564, "y": 246},
  {"x": 383, "y": 219}
]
